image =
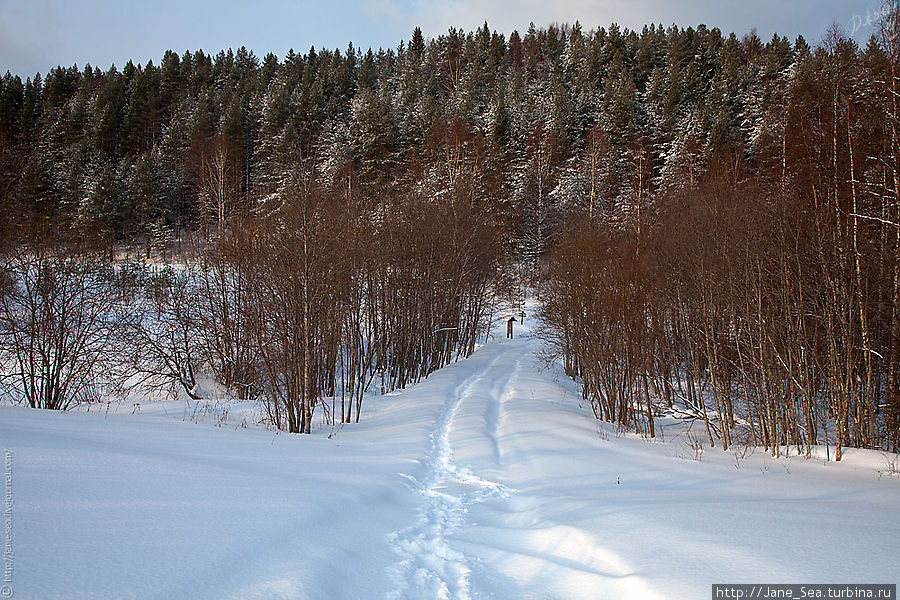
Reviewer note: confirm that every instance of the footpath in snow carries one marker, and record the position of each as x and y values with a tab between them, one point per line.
488	480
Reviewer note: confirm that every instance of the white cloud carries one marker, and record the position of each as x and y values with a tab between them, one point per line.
386	10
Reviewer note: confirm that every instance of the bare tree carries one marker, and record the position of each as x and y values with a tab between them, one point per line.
225	317
161	335
57	322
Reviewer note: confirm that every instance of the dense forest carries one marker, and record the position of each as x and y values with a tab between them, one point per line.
711	220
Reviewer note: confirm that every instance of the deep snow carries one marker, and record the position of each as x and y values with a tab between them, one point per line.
487	480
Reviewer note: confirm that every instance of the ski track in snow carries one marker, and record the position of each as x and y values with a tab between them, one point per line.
438	552
429	566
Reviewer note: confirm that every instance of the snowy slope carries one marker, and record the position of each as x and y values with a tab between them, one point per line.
488	480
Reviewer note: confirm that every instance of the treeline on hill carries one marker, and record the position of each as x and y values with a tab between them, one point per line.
301	307
759	289
713	217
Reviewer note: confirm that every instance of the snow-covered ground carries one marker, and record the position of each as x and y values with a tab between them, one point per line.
488	480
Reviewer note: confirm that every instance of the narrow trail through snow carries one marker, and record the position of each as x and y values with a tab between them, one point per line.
430	567
445	553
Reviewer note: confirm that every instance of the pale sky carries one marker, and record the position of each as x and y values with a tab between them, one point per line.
37	35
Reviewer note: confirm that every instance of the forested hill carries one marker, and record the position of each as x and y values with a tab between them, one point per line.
538	124
715	220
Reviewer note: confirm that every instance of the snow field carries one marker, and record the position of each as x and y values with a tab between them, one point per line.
488	480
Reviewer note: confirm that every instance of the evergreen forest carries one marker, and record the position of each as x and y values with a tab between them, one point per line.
711	222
